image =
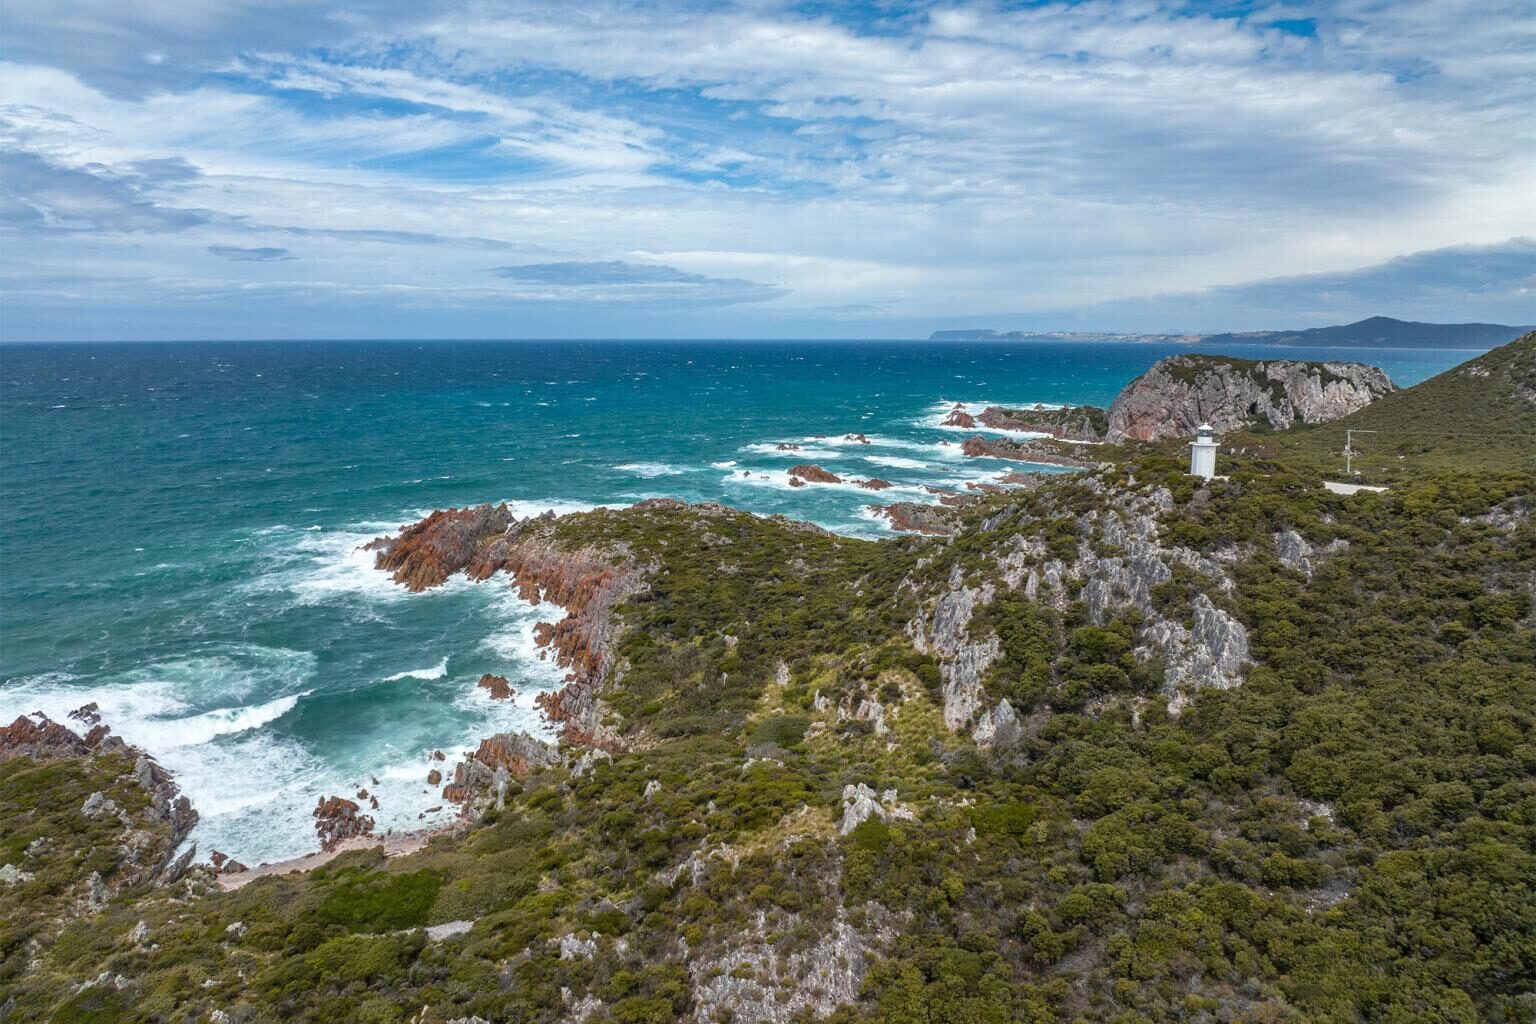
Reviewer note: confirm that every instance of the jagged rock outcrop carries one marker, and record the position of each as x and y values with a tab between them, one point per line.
1065	423
814	474
41	740
963	660
587	582
755	983
483	777
1020	451
338	819
1179	393
915	517
959	417
1212	653
147	851
497	687
1119	562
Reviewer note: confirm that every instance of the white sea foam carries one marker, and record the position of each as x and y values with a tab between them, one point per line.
727	464
435	672
804	450
779	480
650	469
896	462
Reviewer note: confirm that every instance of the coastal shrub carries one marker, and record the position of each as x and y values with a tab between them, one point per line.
781	730
380	901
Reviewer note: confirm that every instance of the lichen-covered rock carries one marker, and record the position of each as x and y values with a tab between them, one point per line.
1179	393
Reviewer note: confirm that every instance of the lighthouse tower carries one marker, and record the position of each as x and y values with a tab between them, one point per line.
1202	452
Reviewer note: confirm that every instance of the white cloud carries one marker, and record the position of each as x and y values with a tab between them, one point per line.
963	159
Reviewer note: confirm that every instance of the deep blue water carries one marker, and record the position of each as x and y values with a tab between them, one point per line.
181	522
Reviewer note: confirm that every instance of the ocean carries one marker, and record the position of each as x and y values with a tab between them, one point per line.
181	523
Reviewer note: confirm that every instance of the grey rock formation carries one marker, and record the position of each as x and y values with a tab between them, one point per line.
999	727
860	803
1179	393
755	983
963	660
1211	654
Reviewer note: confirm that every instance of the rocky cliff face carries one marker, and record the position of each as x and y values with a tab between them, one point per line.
1179	393
587	582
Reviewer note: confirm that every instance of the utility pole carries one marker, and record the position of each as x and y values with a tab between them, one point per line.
1349	448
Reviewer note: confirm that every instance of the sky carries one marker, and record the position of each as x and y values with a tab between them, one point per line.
307	169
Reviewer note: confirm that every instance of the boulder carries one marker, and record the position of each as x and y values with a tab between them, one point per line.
813	474
497	686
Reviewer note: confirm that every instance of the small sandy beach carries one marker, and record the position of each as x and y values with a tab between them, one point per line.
396	844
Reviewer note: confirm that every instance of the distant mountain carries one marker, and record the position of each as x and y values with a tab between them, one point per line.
987	334
1374	332
1380	332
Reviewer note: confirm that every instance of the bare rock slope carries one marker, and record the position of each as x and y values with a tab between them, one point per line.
1179	393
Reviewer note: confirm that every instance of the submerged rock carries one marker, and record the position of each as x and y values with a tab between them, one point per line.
498	687
813	473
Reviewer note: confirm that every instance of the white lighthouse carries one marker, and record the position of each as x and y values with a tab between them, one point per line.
1202	452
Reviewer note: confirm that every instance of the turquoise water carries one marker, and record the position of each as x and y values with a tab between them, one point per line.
181	523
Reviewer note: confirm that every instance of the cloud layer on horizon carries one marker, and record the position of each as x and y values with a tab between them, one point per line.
761	168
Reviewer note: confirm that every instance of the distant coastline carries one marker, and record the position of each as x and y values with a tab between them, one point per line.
1374	332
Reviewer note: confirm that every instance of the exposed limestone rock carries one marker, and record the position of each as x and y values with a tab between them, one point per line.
1212	654
587	762
652	787
1295	552
576	947
754	983
97	805
1179	393
10	874
962	660
999	727
859	805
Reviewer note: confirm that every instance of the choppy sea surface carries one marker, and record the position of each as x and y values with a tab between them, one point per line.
180	523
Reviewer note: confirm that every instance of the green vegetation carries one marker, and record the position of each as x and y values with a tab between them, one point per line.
1349	835
1477	417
